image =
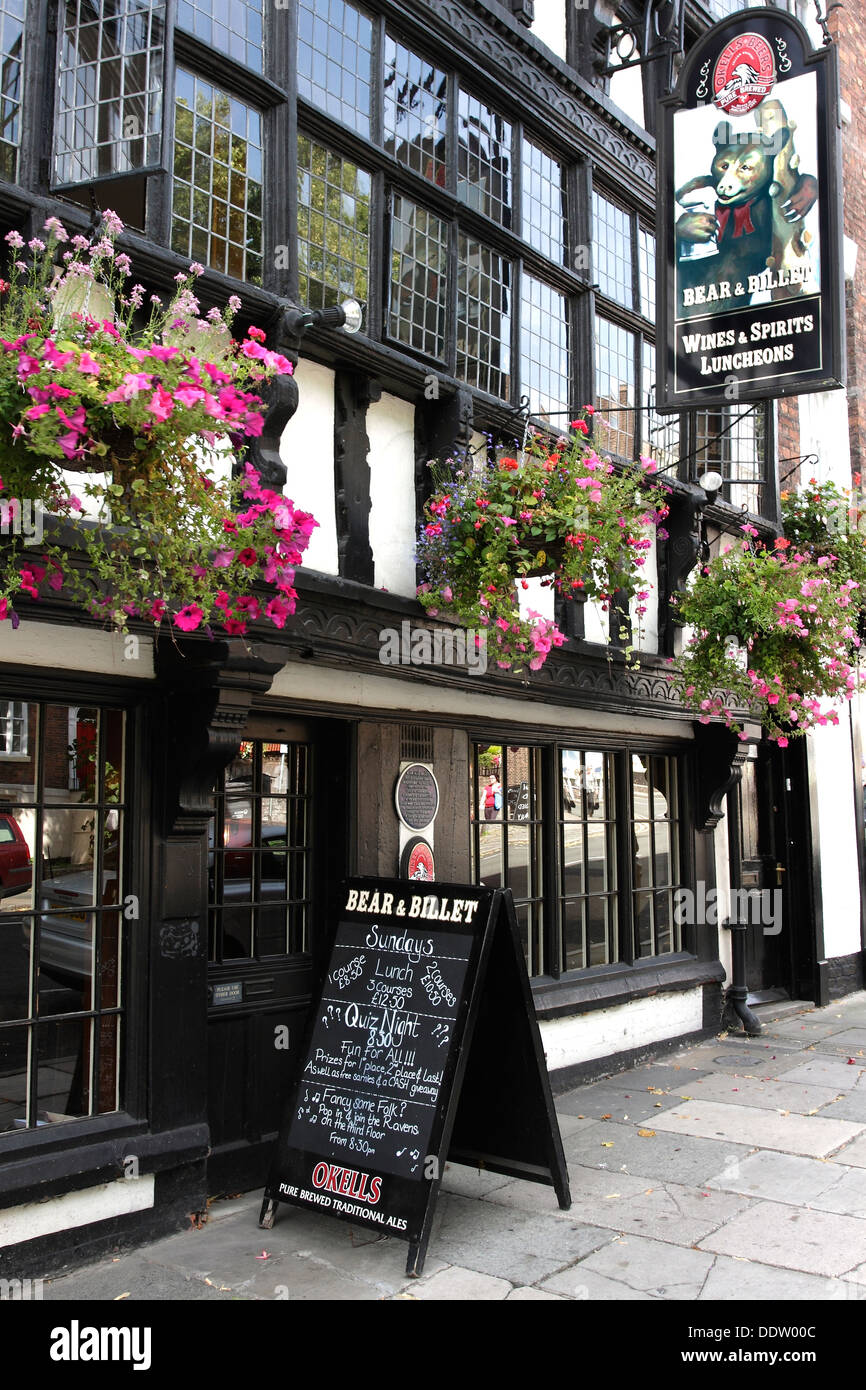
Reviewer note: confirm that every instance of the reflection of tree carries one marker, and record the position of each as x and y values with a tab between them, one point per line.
484	163
420	107
333	226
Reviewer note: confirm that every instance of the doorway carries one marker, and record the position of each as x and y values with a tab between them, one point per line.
279	838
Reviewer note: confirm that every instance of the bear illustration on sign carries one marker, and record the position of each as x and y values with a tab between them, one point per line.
744	236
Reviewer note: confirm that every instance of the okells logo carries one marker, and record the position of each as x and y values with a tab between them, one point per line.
744	74
77	1343
347	1181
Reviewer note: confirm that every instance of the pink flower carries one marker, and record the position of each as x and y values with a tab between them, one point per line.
161	404
278	610
189	618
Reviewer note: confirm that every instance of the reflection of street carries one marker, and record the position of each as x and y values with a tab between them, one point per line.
520	859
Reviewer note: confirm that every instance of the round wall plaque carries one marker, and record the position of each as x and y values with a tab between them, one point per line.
417	861
417	797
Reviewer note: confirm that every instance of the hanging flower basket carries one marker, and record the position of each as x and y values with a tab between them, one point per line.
152	416
775	634
557	510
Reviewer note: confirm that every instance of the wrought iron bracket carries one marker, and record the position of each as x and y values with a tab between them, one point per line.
658	33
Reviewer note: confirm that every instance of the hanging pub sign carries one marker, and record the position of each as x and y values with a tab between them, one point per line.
750	275
422	1046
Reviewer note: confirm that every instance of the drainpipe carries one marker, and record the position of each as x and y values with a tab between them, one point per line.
738	990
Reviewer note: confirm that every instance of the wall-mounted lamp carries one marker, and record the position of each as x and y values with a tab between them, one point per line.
349	315
712	484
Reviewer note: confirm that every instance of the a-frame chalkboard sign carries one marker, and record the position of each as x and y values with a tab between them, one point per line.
423	1046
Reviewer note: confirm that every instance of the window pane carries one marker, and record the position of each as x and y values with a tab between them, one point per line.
484	160
655	834
587	848
335	43
232	26
615	384
419	259
483	318
659	434
732	441
11	58
545	207
545	360
646	246
333	227
416	103
217	220
611	235
108	114
506	839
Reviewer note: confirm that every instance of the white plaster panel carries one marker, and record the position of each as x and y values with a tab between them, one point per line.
76	649
393	525
830	755
606	1032
824	431
75	1209
646	629
307	450
548	25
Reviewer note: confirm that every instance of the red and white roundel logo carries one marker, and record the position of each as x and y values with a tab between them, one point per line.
744	74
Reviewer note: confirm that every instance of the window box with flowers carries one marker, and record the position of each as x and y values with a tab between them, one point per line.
560	511
145	406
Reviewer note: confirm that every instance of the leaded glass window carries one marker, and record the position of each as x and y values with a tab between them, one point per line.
660	434
646	250
11	58
109	103
733	441
615	385
483	318
545	204
611	235
333	226
233	26
335	54
655	837
217	187
545	360
484	159
589	900
419	262
416	102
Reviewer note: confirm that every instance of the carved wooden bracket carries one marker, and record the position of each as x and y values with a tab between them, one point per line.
210	687
720	757
683	548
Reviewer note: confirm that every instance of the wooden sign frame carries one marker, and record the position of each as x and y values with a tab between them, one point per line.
493	1104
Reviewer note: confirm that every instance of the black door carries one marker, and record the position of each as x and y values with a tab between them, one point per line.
279	838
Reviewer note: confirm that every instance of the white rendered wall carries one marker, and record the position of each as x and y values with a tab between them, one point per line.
307	450
596	624
721	849
393	524
824	431
77	648
549	24
831	757
646	629
75	1209
605	1032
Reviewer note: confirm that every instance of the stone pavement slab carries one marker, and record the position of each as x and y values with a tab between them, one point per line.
771	1095
817	1242
532	1295
587	1285
765	1061
602	1101
659	1075
827	1070
456	1283
851	1041
508	1242
649	1267
853	1153
666	1157
799	1134
850	1105
778	1177
754	1282
139	1280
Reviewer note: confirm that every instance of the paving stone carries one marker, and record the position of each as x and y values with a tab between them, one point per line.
664	1076
471	1182
624	1202
805	1030
751	1058
827	1070
847	1195
586	1285
571	1124
601	1099
458	1284
141	1281
669	1157
853	1154
507	1241
851	1041
530	1295
761	1283
779	1177
772	1095
811	1135
849	1106
817	1242
650	1267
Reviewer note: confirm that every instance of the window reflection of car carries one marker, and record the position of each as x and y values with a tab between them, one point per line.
16	869
65	906
239	892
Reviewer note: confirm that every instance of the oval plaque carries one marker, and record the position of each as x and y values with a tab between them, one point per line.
417	862
417	797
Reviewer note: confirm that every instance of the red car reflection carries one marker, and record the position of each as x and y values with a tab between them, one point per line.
16	870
